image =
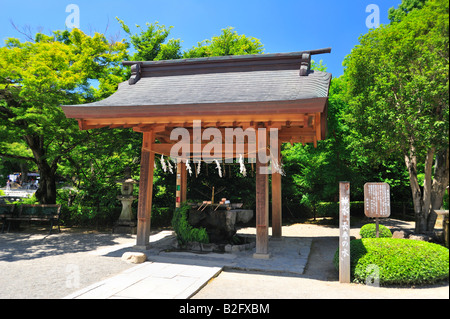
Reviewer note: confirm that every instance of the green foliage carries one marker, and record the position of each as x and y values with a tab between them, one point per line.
400	261
445	201
185	232
35	79
396	15
370	231
229	42
397	81
397	85
161	216
331	209
149	44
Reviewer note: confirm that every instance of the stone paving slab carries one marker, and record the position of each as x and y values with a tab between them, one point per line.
152	280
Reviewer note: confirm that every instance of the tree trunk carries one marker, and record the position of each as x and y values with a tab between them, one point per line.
46	192
440	183
428	198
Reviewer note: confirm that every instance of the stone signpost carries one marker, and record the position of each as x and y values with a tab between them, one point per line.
377	203
344	236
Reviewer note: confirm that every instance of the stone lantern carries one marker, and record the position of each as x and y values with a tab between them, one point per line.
126	223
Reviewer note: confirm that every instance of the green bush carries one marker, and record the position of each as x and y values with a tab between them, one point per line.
185	232
331	209
399	261
161	216
370	231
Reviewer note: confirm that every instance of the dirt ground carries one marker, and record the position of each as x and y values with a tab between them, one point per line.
320	280
35	265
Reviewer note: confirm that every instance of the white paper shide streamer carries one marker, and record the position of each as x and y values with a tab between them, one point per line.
199	166
170	167
163	164
243	170
188	167
218	168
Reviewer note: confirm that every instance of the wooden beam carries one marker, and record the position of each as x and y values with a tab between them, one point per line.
145	192
262	207
318	127
183	182
149	127
140	123
181	188
276	199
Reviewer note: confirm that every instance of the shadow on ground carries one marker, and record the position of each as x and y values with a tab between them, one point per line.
25	245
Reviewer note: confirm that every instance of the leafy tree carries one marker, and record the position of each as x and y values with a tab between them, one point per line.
37	77
229	42
313	174
397	15
397	80
149	44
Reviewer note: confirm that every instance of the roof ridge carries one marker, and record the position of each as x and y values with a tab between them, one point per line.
234	58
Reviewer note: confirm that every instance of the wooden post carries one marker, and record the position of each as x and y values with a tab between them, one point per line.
262	206
181	184
145	192
344	234
276	200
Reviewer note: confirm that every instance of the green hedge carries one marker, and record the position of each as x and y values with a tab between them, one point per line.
370	231
399	261
86	216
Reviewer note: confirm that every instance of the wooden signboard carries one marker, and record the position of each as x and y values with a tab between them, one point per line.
344	234
377	203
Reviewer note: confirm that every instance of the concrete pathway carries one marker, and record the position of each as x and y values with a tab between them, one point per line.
180	275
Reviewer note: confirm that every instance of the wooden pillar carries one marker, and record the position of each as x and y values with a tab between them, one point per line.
181	188
276	200
262	206
344	232
145	192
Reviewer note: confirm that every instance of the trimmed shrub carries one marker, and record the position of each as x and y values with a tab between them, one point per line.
399	261
185	232
370	231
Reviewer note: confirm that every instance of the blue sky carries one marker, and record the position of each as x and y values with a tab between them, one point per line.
281	25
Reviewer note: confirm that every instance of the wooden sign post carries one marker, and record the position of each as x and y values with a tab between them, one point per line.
377	203
344	234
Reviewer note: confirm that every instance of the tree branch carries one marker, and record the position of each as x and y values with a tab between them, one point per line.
26	158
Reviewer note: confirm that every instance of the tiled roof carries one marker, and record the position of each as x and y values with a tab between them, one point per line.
233	87
232	82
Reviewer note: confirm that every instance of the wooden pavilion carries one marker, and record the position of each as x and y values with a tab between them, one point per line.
272	91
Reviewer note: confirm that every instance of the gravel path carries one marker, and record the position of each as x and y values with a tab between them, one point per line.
36	265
